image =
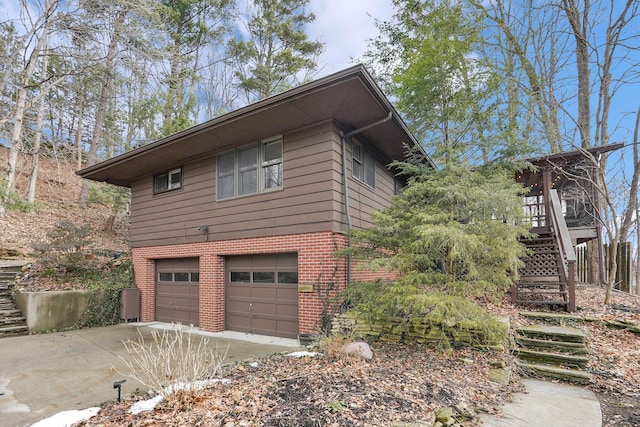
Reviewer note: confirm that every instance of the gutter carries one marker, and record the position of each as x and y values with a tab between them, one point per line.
345	182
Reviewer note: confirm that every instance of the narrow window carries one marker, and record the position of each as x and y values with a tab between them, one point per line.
248	170
166	181
226	178
272	164
363	165
356	167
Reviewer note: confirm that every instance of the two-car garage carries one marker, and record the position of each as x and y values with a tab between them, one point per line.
261	293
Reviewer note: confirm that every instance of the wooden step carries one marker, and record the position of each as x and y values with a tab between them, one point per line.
572	375
556	346
557	333
556	359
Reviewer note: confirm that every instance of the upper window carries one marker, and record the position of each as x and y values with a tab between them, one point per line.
250	169
363	165
170	180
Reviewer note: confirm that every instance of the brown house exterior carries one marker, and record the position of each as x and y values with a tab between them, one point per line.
234	222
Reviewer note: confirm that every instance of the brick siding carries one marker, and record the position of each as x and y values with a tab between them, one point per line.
316	265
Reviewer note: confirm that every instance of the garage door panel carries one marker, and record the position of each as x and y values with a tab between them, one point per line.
177	290
269	308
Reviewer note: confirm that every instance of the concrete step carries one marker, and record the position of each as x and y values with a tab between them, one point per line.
10	313
13	330
571	375
15	321
556	359
556	333
553	346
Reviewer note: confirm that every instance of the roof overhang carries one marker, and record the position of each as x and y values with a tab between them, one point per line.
350	97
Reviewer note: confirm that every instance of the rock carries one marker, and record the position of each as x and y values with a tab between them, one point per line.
445	415
500	376
358	349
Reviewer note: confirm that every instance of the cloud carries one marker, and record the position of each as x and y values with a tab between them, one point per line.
345	27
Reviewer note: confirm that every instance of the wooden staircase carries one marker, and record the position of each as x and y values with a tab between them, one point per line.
541	279
548	277
12	322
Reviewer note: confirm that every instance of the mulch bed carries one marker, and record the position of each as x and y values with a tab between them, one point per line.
401	384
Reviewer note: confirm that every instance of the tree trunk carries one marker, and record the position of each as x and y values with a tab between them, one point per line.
579	25
105	93
33	179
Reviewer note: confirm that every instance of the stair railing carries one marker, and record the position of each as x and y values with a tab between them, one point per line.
567	254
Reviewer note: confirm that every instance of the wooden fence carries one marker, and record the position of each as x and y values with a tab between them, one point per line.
624	261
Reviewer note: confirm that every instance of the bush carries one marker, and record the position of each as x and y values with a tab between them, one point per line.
410	313
66	249
109	195
12	200
174	363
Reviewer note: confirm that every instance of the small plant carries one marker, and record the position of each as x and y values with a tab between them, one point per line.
174	363
12	200
109	195
66	248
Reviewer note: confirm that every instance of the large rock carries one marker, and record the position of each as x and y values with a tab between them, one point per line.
358	349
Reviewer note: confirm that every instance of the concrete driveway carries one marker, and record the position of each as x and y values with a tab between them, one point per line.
41	375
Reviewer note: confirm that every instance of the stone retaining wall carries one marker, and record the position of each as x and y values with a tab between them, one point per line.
460	334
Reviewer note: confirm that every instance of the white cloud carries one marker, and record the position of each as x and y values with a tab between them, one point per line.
345	26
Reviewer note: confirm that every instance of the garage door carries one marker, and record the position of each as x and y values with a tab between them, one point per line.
262	294
177	284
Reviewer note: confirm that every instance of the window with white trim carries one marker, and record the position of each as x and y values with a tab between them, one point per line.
166	181
251	169
363	165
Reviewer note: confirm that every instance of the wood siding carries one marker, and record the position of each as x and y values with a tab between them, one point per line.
311	199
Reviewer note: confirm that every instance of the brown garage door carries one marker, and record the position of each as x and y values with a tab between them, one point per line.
262	294
177	284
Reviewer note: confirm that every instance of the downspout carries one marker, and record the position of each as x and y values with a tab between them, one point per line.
345	182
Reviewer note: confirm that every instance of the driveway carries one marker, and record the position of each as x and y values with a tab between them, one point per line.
41	375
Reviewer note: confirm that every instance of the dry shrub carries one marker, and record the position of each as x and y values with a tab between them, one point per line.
176	363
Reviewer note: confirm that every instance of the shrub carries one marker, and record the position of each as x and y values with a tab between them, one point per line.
66	248
410	313
173	363
109	195
12	200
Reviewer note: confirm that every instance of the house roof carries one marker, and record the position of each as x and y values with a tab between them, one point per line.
574	155
351	97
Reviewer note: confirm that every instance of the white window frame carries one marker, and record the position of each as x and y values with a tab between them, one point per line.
261	167
172	182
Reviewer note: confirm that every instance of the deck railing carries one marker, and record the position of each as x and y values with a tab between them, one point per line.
567	254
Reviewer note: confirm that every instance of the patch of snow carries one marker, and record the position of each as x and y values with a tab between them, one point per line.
303	354
145	405
150	404
67	418
254	364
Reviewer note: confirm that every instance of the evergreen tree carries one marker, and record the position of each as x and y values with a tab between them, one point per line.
276	51
453	230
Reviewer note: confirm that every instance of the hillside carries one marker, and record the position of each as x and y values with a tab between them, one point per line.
57	191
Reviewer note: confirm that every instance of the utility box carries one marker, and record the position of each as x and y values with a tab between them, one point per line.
130	304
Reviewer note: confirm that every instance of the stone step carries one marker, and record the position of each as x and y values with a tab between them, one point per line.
556	333
556	359
555	346
13	321
572	375
13	330
10	313
556	317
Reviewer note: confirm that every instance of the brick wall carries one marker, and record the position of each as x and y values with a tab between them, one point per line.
316	265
